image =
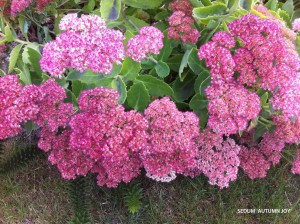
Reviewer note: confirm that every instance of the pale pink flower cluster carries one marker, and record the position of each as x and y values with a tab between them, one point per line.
181	22
287	99
218	158
172	147
231	106
85	44
296	163
148	41
296	25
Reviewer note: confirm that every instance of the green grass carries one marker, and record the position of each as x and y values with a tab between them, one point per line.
37	194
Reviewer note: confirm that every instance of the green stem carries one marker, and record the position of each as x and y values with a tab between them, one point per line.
152	59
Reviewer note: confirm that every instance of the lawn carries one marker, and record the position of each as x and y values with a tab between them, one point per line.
37	194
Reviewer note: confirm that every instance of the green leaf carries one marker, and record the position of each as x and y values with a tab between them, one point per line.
285	17
31	55
74	75
214	11
169	45
202	82
9	37
130	69
89	77
146	4
138	97
155	86
24	74
120	86
89	6
288	6
184	89
198	102
162	15
25	54
162	69
13	57
246	4
110	9
199	105
23	24
184	62
174	62
272	5
71	98
105	82
77	87
197	65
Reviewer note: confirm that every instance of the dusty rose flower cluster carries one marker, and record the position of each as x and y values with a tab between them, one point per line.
181	22
148	41
172	147
85	44
17	6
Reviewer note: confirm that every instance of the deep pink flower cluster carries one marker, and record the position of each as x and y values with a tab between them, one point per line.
10	89
41	4
257	157
287	33
296	25
85	44
231	106
149	40
110	136
53	112
253	162
218	158
181	22
172	147
70	162
296	163
18	6
218	57
264	55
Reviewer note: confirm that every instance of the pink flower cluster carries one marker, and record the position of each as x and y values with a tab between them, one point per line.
149	40
17	6
218	57
172	147
218	158
296	25
264	55
257	157
85	44
231	106
181	22
10	89
296	163
41	104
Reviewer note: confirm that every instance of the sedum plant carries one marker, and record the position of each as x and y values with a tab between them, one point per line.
170	87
